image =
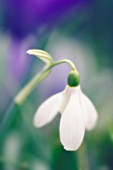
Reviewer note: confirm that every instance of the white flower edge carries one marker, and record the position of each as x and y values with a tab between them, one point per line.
89	112
47	110
77	113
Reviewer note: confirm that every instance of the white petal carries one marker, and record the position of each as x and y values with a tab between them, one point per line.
71	125
89	112
48	110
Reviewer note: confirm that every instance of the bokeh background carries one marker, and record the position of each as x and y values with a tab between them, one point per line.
80	30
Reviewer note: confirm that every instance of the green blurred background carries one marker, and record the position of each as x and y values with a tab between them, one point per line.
79	30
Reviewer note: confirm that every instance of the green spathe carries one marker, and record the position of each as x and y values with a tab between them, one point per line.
73	78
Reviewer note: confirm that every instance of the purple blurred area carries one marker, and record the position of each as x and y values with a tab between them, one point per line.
21	18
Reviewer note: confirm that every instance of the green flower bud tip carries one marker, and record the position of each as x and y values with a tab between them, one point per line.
73	79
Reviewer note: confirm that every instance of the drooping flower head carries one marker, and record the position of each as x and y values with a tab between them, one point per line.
77	111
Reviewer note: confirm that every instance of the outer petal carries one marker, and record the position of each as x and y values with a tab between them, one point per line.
89	112
71	125
48	110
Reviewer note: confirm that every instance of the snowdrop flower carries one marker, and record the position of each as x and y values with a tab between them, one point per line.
77	113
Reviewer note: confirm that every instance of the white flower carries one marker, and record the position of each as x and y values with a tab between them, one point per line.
77	113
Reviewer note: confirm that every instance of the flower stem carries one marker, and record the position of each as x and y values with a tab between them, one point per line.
22	95
65	61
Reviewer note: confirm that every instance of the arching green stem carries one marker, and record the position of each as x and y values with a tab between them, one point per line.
65	61
23	94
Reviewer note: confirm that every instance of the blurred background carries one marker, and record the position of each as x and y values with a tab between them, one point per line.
79	30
